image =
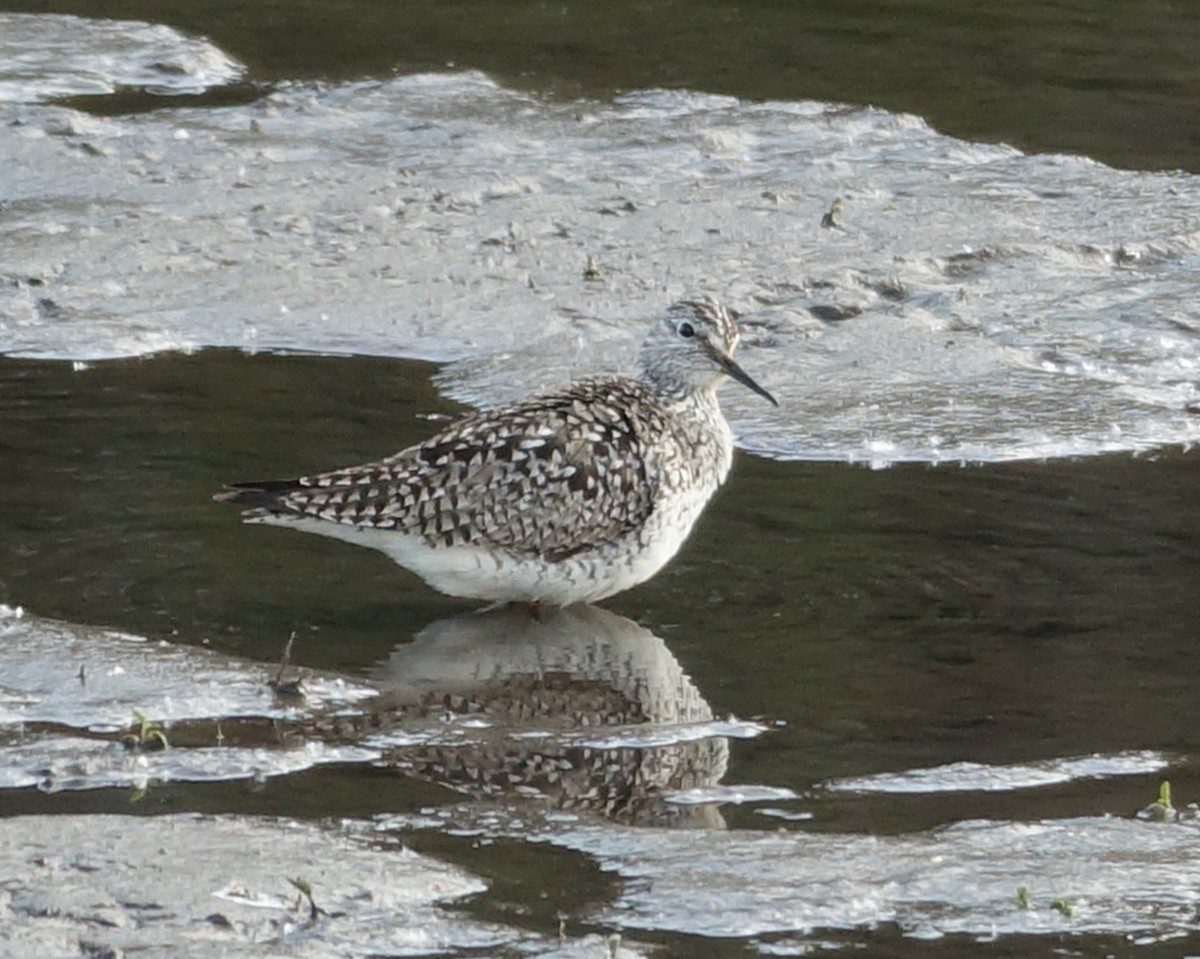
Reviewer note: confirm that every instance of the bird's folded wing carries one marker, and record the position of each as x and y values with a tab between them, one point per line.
549	477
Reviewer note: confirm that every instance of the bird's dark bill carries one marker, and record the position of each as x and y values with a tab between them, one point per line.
730	367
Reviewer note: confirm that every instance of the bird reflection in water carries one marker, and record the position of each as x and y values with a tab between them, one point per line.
578	707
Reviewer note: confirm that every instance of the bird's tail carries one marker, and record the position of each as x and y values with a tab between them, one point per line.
259	494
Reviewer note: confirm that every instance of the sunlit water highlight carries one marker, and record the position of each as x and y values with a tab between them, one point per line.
968	777
70	694
969	302
43	57
1084	875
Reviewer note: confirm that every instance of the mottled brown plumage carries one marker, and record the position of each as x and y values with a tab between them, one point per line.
564	497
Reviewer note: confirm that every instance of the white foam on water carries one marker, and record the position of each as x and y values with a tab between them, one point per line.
62	763
982	777
88	677
185	886
790	888
69	693
972	302
1086	875
733	794
43	56
652	735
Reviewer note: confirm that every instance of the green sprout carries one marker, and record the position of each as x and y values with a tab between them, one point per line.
150	736
1164	796
305	888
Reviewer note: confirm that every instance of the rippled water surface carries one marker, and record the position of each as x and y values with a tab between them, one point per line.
893	698
968	302
918	710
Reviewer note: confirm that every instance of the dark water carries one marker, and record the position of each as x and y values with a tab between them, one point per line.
1039	607
883	620
880	621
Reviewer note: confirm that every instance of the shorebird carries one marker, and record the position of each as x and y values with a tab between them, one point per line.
562	498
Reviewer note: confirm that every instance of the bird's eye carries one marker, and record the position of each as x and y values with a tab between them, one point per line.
686	330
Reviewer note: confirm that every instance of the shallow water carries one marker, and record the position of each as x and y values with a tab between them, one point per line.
842	654
863	708
969	302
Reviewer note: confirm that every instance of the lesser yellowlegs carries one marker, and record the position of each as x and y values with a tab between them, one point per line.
562	498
